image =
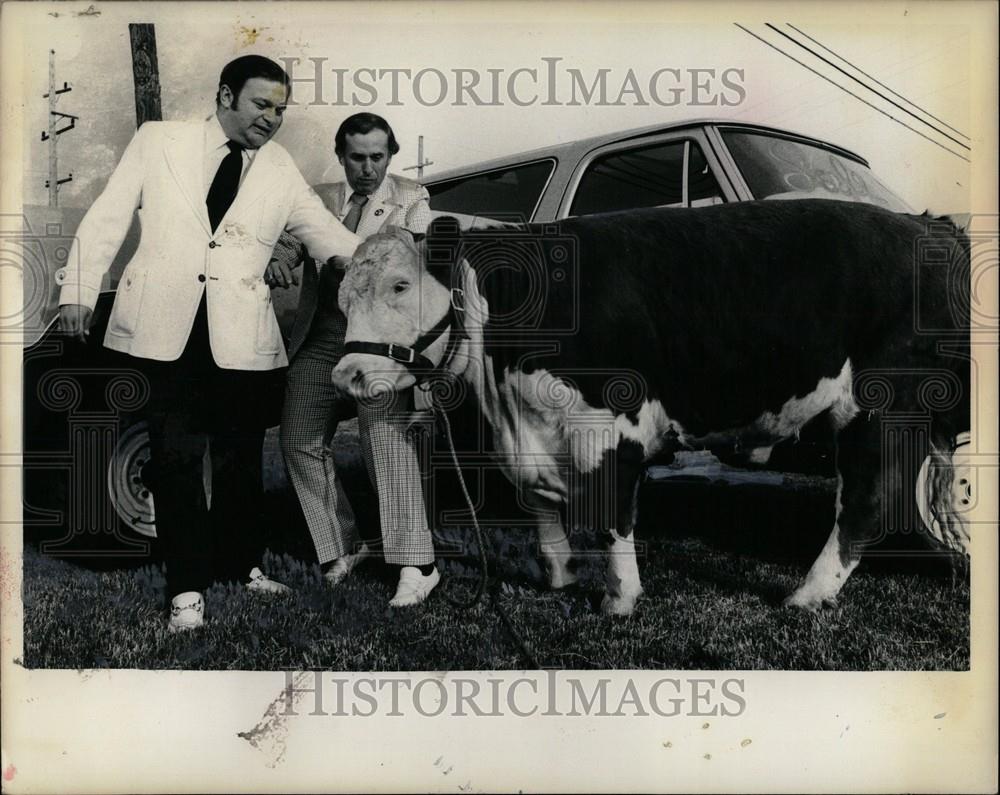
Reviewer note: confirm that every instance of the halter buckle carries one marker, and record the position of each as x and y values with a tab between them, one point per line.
404	358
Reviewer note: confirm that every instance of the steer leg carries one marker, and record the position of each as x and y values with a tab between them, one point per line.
828	574
622	483
552	542
858	515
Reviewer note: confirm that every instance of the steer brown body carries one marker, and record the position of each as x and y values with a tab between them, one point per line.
597	343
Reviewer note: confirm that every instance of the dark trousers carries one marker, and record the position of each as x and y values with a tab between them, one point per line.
194	405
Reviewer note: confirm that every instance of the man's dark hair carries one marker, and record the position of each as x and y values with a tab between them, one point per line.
236	73
362	124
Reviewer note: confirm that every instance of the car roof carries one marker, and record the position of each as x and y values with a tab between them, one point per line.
579	147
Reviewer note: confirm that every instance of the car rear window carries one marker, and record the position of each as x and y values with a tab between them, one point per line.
775	167
509	194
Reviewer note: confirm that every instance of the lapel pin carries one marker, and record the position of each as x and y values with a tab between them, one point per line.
378	212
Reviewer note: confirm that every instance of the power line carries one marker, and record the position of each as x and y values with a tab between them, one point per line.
878	82
863	85
864	101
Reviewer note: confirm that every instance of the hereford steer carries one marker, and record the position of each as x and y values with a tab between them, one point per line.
595	343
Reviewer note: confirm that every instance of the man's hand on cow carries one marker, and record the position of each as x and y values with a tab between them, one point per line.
74	320
279	274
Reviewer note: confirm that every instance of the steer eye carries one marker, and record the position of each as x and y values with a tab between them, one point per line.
400	287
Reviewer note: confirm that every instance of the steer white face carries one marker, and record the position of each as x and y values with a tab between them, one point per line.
388	297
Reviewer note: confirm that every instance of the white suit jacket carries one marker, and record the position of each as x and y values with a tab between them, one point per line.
397	202
179	257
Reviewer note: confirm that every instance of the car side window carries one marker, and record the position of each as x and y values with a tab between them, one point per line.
674	174
702	187
509	194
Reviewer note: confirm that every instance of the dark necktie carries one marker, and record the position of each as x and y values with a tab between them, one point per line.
225	184
329	278
357	202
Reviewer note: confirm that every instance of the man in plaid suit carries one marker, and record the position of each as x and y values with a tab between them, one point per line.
368	201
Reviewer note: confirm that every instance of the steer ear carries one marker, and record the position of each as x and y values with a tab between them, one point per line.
444	237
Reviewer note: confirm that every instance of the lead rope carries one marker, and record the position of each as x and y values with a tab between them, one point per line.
484	575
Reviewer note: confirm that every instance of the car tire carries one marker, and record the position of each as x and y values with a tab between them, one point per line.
129	493
128	480
953	496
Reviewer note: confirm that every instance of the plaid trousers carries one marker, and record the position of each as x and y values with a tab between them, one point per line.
313	408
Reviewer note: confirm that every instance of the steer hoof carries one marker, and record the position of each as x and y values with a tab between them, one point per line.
561	579
619	605
811	602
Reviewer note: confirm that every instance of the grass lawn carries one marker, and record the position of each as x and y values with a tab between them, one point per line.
704	609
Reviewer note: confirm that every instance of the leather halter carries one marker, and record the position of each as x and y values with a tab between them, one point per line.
412	356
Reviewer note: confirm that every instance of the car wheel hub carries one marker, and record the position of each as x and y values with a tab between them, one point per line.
131	498
956	504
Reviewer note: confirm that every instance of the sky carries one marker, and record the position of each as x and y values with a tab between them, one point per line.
928	64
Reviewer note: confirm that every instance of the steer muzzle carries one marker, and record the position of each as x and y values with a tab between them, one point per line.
365	376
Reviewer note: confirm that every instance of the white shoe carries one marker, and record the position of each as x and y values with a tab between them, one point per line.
261	582
187	611
345	564
413	586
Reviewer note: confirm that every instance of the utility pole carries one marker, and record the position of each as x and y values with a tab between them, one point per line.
53	182
420	159
145	73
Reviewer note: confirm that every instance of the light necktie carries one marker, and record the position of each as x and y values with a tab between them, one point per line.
225	184
357	202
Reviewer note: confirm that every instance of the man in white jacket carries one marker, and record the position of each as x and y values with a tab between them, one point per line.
213	197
